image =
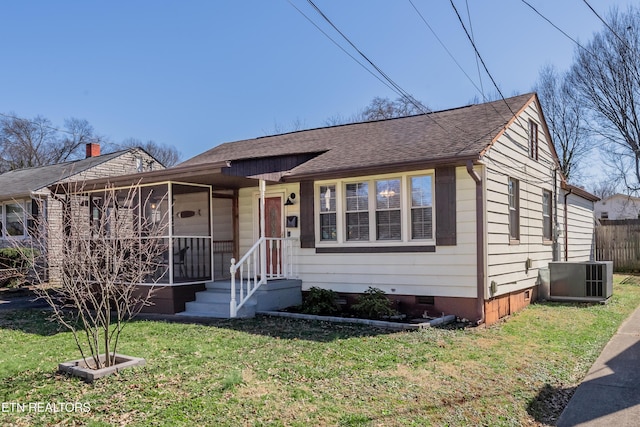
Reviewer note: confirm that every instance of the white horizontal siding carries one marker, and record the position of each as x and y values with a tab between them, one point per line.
449	271
580	228
509	157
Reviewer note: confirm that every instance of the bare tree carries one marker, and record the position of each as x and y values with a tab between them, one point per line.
604	188
168	155
34	142
107	244
566	117
381	109
606	75
384	108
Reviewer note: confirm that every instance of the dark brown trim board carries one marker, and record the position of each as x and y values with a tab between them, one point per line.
375	249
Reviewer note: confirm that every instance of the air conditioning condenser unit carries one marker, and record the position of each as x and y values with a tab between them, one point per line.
581	281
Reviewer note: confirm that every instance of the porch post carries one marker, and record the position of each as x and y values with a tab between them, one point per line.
263	245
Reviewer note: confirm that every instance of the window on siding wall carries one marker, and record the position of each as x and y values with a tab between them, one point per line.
376	210
328	224
533	140
14	219
388	212
357	211
514	209
547	203
421	208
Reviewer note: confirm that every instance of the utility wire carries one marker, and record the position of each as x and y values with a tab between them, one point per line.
558	28
446	49
399	90
623	41
344	50
477	63
480	57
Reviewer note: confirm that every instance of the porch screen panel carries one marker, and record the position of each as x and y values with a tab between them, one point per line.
388	212
421	207
357	211
328	224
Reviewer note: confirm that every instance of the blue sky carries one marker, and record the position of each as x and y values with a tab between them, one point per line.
195	74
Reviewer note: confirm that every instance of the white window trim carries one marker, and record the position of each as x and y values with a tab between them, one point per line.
405	188
25	204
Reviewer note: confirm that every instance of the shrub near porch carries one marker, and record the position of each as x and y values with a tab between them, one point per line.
274	371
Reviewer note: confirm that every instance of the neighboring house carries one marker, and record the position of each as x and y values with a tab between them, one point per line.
21	187
447	212
618	206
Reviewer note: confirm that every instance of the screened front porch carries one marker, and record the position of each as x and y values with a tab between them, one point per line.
183	214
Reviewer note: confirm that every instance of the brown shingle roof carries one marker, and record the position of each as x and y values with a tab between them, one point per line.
461	133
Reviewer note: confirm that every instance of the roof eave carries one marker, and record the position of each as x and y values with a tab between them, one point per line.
382	169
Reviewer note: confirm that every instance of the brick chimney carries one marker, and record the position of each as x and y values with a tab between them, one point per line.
93	149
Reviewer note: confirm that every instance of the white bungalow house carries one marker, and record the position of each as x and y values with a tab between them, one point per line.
618	206
447	212
21	188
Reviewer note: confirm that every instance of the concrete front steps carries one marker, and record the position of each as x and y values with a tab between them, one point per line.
215	300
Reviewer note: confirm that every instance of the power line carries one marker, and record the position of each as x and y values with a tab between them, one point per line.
399	89
558	28
446	49
477	64
623	41
343	49
480	57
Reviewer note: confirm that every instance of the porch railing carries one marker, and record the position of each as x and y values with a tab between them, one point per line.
268	259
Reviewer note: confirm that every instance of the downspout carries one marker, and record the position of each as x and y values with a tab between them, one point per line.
479	242
566	225
556	223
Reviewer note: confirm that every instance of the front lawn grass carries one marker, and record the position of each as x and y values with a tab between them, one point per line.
285	372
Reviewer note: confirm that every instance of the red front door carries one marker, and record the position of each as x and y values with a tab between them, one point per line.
273	228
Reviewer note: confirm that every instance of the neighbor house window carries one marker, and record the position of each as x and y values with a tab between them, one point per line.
328	224
546	215
14	220
421	208
388	212
514	209
533	140
357	211
604	215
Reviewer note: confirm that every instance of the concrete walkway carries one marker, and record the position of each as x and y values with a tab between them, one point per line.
610	393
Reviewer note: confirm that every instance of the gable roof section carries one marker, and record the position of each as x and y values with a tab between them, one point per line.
21	182
449	136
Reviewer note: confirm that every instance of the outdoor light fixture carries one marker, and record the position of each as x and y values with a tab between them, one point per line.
290	200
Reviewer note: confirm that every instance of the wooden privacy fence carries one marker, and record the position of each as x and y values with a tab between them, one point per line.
619	241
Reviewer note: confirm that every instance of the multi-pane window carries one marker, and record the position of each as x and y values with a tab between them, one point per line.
388	212
421	208
533	140
14	220
546	215
514	209
388	209
328	224
357	211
